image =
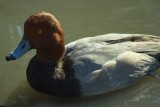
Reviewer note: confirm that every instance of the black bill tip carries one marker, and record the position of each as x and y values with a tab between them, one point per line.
10	57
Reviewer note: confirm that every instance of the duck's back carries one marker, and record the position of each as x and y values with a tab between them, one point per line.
90	55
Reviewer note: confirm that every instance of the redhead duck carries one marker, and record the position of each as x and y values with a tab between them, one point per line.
88	66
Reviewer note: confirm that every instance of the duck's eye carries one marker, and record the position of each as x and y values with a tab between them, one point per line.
39	31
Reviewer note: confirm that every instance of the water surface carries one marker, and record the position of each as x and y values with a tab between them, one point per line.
79	18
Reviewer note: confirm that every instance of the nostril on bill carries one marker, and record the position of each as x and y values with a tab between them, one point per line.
23	46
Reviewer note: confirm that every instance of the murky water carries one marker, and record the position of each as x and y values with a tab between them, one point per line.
79	18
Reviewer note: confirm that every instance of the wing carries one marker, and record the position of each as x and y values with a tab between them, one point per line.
93	58
91	53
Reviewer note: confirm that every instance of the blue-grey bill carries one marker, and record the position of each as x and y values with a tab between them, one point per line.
23	47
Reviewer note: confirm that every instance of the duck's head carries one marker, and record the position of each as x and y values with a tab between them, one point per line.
43	32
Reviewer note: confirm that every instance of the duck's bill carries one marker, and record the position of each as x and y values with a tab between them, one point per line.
23	47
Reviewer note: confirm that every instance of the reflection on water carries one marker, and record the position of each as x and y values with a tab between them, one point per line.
79	18
135	96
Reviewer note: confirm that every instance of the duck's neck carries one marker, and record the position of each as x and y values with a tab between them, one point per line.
50	54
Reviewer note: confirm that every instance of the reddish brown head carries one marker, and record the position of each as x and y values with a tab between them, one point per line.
45	34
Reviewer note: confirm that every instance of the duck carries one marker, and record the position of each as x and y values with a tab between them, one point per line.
87	66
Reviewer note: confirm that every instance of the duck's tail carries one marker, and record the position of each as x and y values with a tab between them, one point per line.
157	73
154	73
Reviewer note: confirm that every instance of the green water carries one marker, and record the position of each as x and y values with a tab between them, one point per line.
79	18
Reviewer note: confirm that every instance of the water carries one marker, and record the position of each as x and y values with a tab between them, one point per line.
79	18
